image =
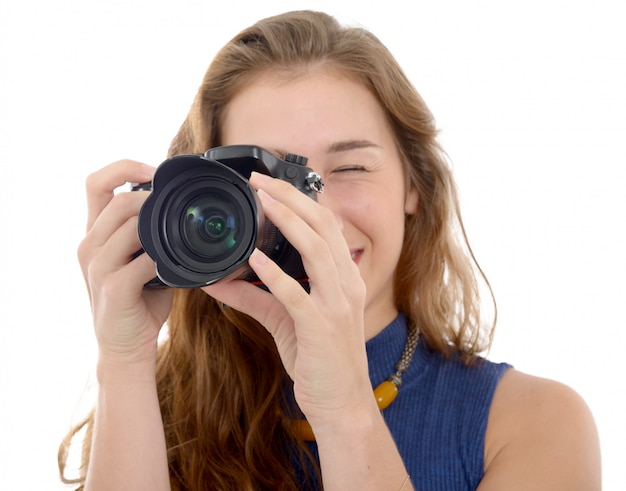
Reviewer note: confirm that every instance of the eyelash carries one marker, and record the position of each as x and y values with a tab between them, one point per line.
354	168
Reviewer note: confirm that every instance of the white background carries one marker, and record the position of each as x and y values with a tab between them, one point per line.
530	98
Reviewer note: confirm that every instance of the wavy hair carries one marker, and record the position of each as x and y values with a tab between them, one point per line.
225	398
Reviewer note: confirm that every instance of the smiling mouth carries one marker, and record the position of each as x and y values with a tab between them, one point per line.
356	255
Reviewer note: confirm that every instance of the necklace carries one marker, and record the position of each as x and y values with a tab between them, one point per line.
385	393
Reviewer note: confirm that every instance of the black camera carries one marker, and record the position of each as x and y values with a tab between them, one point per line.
202	219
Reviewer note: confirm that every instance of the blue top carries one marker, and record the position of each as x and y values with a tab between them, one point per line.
439	418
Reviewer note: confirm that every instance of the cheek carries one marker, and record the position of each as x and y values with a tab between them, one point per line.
377	213
381	219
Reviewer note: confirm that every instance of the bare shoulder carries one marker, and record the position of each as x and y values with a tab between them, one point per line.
540	435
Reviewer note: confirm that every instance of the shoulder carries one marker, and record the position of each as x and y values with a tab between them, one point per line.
540	435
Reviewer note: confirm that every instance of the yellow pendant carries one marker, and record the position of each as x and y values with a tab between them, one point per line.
385	394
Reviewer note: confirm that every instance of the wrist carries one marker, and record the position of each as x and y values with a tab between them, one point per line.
349	425
361	441
115	371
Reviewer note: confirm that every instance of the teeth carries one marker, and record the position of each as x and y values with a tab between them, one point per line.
354	255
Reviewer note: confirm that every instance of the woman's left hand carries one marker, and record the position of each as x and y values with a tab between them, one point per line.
319	335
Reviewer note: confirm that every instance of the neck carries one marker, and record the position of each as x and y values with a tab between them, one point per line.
376	319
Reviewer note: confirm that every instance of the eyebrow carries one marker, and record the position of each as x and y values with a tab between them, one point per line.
346	145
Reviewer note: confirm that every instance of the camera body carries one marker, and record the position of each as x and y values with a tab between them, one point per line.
202	219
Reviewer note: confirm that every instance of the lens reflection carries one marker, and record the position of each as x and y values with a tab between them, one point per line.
210	227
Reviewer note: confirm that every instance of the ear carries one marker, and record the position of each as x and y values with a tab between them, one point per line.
411	201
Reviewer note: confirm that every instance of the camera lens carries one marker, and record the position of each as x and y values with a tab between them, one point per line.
210	225
215	226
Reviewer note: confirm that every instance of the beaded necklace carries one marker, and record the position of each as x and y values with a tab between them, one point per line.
385	393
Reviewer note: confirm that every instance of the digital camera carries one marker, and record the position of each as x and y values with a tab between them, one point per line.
203	219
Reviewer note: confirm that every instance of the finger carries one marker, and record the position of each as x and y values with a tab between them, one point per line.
248	299
117	253
121	208
122	245
265	308
101	184
139	271
121	212
126	281
325	255
297	206
296	301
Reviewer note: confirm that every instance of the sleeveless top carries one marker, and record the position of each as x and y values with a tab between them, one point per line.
439	418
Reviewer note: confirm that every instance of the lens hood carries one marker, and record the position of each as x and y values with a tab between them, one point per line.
192	197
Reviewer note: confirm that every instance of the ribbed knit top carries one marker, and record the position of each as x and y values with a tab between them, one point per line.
440	416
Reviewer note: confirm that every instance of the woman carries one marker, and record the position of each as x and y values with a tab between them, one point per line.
221	402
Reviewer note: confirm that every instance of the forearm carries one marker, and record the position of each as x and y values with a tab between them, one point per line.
360	454
128	449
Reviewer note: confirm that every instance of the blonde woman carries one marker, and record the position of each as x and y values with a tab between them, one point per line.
372	379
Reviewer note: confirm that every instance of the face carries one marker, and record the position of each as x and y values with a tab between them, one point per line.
342	129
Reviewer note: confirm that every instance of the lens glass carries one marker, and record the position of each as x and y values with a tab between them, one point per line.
210	226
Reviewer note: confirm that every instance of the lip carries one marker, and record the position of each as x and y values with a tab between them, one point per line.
356	255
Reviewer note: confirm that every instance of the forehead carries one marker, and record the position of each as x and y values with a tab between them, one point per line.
320	107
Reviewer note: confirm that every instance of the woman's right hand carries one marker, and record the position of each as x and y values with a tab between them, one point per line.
127	317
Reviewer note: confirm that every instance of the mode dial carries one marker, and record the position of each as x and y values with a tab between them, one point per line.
296	159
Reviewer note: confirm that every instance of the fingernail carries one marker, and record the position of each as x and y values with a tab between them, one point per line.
260	178
257	257
148	170
265	198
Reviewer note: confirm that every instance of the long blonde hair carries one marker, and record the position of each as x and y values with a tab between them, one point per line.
224	394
